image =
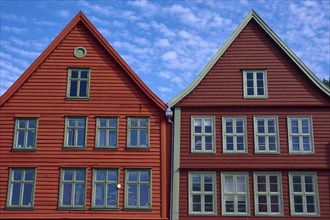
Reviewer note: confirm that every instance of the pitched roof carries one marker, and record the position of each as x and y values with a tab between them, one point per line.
252	15
80	17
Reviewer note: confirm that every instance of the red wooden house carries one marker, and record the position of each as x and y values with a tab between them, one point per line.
81	136
252	134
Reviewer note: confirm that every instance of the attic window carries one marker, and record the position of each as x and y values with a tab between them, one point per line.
80	52
255	83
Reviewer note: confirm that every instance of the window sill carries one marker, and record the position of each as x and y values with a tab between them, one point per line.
74	148
24	150
138	209
203	152
256	97
76	99
105	208
71	208
106	148
202	214
138	148
19	208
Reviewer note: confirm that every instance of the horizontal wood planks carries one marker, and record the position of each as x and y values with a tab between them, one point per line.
112	93
254	49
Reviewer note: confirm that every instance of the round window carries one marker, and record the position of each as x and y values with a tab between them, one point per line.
80	52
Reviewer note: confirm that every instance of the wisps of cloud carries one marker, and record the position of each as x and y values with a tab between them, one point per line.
14	30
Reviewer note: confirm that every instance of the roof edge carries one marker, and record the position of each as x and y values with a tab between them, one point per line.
228	42
41	58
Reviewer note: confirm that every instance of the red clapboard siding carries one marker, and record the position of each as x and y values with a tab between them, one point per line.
253	49
319	160
323	189
112	93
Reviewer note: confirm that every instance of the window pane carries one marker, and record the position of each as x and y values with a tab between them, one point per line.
261	91
68	174
74	74
84	74
133	137
230	143
250	84
295	144
79	194
134	122
67	192
72	122
73	88
143	123
229	184
30	138
112	195
229	201
81	122
208	143
198	125
113	123
208	125
144	195
132	176
143	138
239	126
305	126
196	181
271	126
196	203
20	138
198	143
71	137
112	138
261	143
208	200
229	126
294	126
102	123
15	194
261	126
17	175
306	144
100	175
80	175
240	143
83	89
81	137
32	124
208	183
29	175
27	194
132	195
241	200
112	175
298	206
240	184
99	196
21	123
250	91
102	138
144	176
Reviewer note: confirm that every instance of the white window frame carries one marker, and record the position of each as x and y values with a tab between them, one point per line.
25	130
255	87
139	129
105	182
268	194
22	181
191	174
304	193
266	135
300	135
76	128
107	128
235	193
202	134
79	80
234	135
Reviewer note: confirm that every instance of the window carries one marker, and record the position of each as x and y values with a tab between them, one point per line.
105	192
235	193
106	132
304	194
268	193
72	189
300	134
266	135
25	134
202	193
21	188
75	132
78	83
255	83
234	139
138	133
138	189
202	134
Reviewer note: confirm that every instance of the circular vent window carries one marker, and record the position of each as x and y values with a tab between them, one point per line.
80	52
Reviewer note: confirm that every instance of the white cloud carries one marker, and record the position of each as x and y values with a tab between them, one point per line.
63	13
170	56
21	52
98	9
14	30
163	43
148	7
14	17
45	23
9	58
164	89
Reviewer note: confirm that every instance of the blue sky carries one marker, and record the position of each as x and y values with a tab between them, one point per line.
167	43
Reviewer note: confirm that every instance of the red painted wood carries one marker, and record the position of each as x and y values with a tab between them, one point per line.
113	92
254	49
